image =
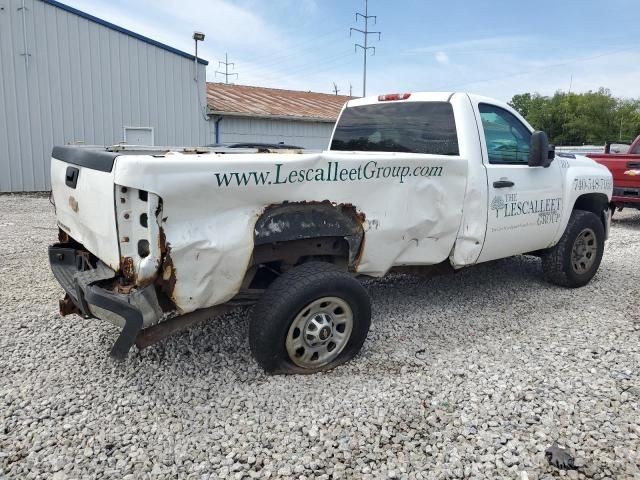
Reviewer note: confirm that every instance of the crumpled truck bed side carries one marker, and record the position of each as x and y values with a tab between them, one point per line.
410	204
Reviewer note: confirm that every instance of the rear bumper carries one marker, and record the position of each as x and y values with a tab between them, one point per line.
84	296
626	197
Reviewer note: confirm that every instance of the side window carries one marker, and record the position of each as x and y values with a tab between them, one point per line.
507	138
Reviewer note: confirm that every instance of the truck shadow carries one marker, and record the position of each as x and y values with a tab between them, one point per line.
401	304
417	323
220	341
627	219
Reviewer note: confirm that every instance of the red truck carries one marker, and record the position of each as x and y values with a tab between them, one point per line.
625	168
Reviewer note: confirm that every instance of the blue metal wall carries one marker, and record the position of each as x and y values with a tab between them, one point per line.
306	134
65	78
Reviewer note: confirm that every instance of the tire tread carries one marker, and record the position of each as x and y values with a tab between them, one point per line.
553	261
276	298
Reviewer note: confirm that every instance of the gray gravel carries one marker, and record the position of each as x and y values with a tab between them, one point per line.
471	375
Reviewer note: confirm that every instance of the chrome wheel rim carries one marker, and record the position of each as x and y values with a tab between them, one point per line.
319	332
584	251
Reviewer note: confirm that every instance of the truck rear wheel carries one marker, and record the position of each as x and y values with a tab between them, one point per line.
576	257
312	318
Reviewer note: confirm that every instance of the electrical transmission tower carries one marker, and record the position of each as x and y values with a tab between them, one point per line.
226	73
365	33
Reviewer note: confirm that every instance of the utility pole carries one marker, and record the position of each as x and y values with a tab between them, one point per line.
350	90
620	137
365	33
335	88
570	84
226	73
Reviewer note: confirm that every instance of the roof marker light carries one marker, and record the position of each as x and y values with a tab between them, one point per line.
393	96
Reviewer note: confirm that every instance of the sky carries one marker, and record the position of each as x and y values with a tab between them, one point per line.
496	48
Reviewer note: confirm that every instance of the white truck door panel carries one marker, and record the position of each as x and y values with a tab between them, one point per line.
524	203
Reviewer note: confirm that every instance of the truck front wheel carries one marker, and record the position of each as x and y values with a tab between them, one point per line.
311	318
576	257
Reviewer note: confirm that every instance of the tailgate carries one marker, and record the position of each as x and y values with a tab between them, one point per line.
83	191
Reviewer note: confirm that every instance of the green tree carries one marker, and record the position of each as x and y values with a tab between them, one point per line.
628	119
522	103
580	118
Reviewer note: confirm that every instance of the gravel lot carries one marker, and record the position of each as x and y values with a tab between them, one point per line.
471	375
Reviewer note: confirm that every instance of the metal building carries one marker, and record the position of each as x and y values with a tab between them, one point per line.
241	113
68	77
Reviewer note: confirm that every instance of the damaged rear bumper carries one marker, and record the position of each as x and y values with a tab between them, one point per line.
85	296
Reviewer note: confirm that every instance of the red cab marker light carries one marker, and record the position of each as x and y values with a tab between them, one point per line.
393	96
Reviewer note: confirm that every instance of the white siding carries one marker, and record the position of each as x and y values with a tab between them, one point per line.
312	135
83	83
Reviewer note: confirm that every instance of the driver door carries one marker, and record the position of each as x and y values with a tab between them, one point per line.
525	203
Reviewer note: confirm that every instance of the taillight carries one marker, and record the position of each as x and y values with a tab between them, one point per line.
393	96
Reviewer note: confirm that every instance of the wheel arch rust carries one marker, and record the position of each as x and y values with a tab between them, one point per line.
294	221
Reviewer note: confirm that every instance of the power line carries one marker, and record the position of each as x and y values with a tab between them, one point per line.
365	33
545	67
299	49
226	73
301	57
307	68
457	48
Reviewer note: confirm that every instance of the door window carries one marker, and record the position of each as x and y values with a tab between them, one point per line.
507	138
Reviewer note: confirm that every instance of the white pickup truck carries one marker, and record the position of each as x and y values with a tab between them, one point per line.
154	240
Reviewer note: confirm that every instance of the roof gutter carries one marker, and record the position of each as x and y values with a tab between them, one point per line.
272	117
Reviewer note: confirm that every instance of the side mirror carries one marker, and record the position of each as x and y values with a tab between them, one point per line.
540	153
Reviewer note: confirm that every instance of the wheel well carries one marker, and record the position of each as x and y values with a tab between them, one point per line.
596	203
269	261
292	233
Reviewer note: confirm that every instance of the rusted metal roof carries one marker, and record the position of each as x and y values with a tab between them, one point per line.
243	100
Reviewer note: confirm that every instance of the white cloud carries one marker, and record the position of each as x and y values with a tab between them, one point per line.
501	75
442	58
284	54
228	27
227	24
263	53
306	6
476	45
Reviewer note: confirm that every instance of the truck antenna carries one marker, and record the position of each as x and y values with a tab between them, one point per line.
226	73
365	33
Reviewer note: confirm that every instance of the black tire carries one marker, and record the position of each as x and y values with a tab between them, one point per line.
557	262
284	301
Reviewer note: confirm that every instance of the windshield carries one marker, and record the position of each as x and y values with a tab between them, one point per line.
413	127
